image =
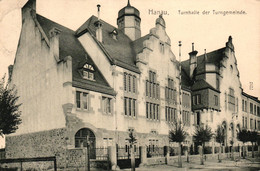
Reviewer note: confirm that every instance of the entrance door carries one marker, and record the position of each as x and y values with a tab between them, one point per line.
86	137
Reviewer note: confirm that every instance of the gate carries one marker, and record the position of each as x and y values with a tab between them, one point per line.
124	157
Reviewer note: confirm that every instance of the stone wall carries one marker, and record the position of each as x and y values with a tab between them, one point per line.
39	144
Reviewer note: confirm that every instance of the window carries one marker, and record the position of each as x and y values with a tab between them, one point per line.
196	99
170	92
231	100
161	47
129	83
107	105
152	111
186	118
258	111
85	100
243	105
217	84
258	122
251	123
246	122
81	100
88	72
78	99
216	100
255	109
243	121
170	114
130	107
251	108
152	88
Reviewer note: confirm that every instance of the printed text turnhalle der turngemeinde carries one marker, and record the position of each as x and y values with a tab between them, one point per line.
214	12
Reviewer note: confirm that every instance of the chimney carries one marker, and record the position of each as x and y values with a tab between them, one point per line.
30	6
54	42
98	25
193	60
10	71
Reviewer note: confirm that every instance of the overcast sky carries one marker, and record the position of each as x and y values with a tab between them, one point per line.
206	31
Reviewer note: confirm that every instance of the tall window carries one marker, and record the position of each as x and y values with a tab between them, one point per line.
152	87
243	105
255	109
129	83
170	114
130	95
161	47
81	100
153	92
152	111
251	108
231	100
170	92
196	99
107	105
216	100
243	121
246	122
130	107
186	117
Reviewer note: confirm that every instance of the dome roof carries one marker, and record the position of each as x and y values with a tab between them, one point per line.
160	21
128	10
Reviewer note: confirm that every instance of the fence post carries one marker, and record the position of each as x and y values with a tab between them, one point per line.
113	157
143	156
167	148
55	164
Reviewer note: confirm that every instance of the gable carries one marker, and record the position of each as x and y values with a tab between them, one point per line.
70	46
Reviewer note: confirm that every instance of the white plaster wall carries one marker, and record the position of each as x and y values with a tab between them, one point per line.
39	81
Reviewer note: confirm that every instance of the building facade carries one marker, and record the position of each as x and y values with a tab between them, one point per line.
102	81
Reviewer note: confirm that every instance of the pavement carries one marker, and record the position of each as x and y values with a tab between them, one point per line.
250	164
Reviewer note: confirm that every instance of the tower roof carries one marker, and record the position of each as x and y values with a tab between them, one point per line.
160	21
128	10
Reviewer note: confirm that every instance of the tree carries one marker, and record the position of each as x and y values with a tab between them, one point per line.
201	136
178	135
132	140
252	139
9	109
243	136
220	138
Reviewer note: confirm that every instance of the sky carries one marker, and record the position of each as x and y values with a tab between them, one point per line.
207	30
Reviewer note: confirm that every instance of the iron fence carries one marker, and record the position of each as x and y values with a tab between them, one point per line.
125	152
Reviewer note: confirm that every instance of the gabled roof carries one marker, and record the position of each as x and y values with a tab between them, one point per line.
70	46
213	57
202	84
119	51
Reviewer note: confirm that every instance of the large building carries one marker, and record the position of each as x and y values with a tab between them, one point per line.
103	81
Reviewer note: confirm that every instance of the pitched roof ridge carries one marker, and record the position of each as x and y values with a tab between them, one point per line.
208	53
55	23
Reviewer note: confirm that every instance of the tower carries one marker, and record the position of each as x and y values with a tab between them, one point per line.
129	21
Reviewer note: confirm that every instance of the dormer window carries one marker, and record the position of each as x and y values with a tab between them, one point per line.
88	72
114	34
